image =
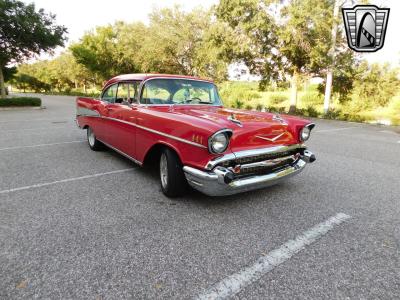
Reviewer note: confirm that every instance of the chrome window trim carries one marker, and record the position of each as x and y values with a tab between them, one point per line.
249	153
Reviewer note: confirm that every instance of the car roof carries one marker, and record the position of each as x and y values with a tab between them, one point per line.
145	76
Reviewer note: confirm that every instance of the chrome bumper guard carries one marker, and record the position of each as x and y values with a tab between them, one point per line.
220	181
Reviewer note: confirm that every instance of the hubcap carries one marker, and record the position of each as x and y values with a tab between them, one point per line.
164	171
91	137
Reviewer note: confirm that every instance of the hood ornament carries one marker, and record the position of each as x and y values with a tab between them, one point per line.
233	119
279	119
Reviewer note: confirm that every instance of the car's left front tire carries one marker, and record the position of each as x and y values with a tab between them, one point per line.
172	179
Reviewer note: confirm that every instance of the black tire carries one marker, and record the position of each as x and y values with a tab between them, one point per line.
174	184
93	142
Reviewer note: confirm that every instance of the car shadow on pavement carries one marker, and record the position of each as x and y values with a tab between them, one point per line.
151	175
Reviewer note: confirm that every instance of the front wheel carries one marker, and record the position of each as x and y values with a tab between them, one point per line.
94	143
172	178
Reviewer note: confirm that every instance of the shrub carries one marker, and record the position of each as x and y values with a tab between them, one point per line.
238	104
249	107
278	110
259	107
332	114
311	112
277	98
20	101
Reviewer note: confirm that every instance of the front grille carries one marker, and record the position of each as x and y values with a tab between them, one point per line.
265	169
258	158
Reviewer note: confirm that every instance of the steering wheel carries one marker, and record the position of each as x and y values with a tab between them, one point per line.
195	98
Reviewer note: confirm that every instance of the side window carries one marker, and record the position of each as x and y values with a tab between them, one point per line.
122	93
110	94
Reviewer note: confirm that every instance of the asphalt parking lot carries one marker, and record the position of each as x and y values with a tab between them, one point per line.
78	224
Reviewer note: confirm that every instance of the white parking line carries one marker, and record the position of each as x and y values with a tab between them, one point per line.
62	181
40	145
32	120
234	283
39	128
336	129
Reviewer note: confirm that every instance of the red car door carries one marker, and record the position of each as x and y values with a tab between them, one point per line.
122	120
100	107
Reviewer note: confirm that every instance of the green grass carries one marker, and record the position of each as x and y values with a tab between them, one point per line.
309	103
20	101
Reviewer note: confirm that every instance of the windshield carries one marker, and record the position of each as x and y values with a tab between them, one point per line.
179	91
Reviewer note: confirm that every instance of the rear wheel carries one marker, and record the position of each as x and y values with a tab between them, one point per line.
172	178
94	143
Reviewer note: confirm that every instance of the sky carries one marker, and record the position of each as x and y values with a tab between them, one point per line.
82	15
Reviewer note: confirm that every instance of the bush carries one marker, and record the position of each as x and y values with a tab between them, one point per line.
311	112
20	101
277	98
249	107
332	114
259	107
274	109
238	104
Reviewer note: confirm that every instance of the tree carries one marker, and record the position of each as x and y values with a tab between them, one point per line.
374	86
180	42
110	50
248	33
175	41
280	39
25	32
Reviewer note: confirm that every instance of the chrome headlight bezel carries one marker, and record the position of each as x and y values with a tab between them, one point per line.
221	136
305	132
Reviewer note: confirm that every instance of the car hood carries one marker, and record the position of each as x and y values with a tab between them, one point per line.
251	129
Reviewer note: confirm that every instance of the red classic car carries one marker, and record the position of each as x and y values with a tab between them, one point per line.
180	123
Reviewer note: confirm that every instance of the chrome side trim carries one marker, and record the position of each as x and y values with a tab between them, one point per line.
122	153
171	137
147	129
249	153
158	132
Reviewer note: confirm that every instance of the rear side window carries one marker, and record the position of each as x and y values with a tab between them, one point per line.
110	94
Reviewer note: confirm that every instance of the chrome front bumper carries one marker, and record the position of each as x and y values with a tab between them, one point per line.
215	183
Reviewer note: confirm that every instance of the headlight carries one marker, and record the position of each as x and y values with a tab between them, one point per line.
306	132
219	141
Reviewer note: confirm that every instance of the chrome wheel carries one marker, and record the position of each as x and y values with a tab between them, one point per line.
164	171
91	137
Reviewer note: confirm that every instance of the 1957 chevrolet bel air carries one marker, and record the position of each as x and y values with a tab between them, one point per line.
180	123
